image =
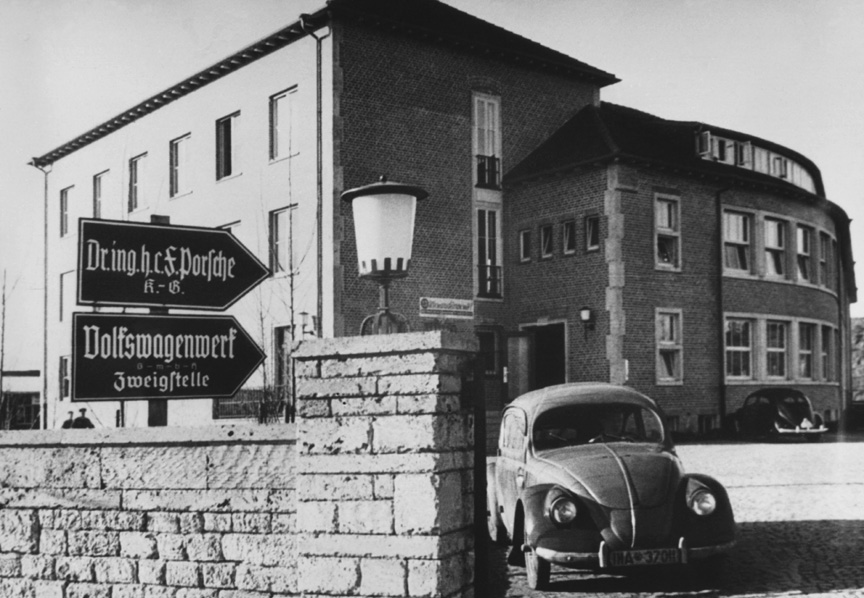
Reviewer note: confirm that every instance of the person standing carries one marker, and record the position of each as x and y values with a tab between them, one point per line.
82	421
68	423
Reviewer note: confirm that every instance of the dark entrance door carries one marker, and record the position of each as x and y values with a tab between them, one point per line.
548	359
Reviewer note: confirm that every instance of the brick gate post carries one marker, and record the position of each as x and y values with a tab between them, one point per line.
385	466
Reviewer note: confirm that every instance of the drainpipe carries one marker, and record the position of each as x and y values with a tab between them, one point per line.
721	405
319	218
43	400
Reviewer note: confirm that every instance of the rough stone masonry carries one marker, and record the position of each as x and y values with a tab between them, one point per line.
382	468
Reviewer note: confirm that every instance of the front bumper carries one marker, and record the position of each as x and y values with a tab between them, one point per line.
601	560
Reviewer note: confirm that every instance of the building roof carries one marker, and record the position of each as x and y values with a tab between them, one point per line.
597	134
430	20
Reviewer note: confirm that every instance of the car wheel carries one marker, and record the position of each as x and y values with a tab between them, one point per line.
538	571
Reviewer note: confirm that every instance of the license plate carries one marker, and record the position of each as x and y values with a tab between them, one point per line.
641	558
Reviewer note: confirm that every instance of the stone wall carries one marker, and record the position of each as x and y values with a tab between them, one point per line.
148	513
383	505
385	466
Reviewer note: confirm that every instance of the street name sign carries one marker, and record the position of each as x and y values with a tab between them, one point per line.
157	265
126	356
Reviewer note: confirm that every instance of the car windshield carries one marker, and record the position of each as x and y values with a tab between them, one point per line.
584	424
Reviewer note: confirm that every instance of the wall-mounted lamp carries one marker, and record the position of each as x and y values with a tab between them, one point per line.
384	229
587	318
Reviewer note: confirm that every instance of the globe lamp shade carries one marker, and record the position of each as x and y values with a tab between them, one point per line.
384	227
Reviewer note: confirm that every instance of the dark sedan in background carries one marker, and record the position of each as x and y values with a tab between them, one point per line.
777	412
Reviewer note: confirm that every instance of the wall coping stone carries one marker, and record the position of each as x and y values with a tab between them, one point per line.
407	342
174	435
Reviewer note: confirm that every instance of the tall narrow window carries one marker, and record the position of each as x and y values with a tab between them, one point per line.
65	195
824	260
568	240
179	166
780	167
98	187
739	348
669	346
775	348
283	124
488	266
736	241
805	236
65	377
546	241
592	233
827	354
136	184
226	145
487	141
280	241
668	232
525	246
775	247
806	349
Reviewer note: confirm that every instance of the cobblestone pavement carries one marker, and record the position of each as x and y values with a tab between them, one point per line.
800	514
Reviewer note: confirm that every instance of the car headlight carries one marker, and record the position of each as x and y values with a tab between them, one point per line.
563	510
702	502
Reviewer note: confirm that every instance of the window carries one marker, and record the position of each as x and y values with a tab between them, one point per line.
525	246
136	186
283	124
569	237
827	354
744	154
780	167
65	377
592	233
281	238
775	247
64	210
668	234
824	260
488	351
67	292
98	184
226	146
546	241
776	334
739	348
805	236
487	141
669	346
806	347
179	166
736	241
488	268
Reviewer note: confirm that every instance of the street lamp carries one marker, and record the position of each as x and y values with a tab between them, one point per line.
384	229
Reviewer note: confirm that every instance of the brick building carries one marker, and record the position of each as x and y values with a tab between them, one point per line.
707	262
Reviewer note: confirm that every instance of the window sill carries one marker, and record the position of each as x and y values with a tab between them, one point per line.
180	195
667	268
282	158
569	253
489	299
670	383
229	177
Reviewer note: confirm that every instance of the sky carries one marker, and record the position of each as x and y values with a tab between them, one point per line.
790	71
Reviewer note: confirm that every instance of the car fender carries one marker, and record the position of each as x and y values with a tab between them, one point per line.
533	501
712	529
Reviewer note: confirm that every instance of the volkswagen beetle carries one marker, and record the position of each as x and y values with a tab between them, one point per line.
586	476
778	413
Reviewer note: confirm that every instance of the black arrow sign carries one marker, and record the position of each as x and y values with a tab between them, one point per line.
149	265
116	356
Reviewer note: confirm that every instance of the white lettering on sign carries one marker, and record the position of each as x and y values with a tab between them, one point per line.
120	344
160	381
181	262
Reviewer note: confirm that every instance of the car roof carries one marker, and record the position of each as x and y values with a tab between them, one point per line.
578	393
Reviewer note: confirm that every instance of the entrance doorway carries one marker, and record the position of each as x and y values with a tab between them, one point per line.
548	359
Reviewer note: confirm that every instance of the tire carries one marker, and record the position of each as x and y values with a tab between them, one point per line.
537	570
494	526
